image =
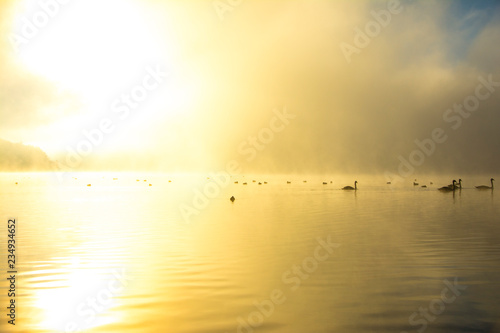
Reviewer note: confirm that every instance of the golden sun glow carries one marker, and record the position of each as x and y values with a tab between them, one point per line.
98	52
92	45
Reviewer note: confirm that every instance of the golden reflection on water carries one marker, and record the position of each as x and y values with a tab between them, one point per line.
78	238
118	257
80	293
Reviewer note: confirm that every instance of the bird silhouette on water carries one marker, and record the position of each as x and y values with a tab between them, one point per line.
484	187
350	187
447	188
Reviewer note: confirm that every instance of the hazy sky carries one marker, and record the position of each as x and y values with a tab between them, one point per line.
361	90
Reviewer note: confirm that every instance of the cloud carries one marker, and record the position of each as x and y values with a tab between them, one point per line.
357	116
27	100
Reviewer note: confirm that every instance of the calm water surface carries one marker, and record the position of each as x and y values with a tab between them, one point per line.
118	256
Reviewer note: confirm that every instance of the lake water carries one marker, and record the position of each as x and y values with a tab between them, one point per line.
118	256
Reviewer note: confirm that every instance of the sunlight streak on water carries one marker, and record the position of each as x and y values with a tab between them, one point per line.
118	257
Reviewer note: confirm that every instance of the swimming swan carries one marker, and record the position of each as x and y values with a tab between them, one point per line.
350	187
458	185
448	189
484	187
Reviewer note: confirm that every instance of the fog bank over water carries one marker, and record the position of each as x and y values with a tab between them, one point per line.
421	88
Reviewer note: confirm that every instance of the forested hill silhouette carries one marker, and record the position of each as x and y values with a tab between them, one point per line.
20	157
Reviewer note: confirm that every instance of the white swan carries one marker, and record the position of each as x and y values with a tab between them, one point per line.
484	187
448	189
350	187
458	185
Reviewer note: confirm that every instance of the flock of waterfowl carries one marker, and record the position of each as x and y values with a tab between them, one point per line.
117	179
448	188
453	186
